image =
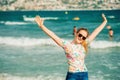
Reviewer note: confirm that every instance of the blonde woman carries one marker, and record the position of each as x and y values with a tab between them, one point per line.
76	50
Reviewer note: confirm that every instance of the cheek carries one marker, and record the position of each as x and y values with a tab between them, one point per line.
79	40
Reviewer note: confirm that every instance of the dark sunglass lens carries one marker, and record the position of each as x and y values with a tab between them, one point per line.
83	38
80	35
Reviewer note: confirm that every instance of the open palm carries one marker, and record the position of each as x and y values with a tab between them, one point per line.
39	20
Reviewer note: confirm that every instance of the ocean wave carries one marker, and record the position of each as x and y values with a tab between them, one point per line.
26	41
33	18
14	23
104	44
5	76
2	22
28	18
111	16
97	78
40	77
50	18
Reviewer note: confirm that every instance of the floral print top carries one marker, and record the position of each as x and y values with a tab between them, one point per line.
75	54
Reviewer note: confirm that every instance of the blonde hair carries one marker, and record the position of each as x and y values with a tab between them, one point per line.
84	43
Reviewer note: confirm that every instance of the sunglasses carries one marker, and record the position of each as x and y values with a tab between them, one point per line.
81	36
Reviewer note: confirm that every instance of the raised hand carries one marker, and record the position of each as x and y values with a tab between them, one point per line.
51	34
98	29
39	21
104	18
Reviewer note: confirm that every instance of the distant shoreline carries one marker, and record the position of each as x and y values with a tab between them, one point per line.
58	5
66	10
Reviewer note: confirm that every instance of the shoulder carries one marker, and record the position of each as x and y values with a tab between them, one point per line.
87	41
67	46
65	42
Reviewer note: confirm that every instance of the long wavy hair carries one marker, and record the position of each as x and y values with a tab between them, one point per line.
84	43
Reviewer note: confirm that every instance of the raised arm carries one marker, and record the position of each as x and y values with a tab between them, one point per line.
40	21
98	29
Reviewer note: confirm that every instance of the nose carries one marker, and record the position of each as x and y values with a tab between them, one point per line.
80	38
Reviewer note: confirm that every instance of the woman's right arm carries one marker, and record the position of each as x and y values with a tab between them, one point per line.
40	21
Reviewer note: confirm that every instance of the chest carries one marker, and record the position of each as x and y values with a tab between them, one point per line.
77	52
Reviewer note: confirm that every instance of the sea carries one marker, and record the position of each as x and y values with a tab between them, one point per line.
27	53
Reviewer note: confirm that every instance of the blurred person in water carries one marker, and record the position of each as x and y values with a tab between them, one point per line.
110	32
74	30
76	50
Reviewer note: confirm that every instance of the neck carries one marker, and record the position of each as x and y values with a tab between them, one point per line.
74	42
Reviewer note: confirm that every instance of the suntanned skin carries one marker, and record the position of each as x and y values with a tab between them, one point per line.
76	39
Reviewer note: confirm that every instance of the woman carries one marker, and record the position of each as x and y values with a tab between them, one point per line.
76	50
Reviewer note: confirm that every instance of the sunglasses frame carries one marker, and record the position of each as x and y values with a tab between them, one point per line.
83	37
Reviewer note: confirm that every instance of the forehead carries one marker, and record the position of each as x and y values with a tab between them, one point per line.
83	32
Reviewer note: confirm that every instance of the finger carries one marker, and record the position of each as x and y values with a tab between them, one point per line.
103	15
37	18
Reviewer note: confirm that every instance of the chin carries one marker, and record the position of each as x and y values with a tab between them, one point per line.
79	41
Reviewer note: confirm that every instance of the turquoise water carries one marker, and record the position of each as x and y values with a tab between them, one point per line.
26	53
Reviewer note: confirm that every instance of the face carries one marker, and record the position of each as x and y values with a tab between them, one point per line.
81	36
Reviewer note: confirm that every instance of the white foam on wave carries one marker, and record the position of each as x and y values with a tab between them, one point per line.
111	16
50	18
104	44
97	78
28	18
33	18
14	23
2	22
26	41
40	77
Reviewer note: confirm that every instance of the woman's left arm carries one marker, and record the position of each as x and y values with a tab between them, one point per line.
98	29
